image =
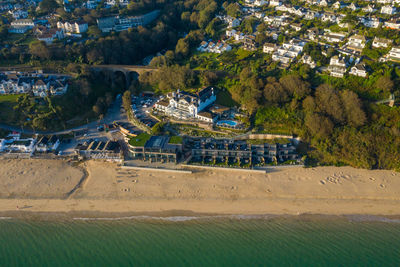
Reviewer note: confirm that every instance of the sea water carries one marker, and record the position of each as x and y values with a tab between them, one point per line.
206	241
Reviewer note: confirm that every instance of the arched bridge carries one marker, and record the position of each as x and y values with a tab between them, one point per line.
129	72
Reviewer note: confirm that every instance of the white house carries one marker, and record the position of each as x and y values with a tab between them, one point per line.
381	42
356	42
288	51
73	27
18	13
393	24
334	37
394	54
337	67
388	10
275	2
260	2
328	17
358	70
269	48
353	7
92	4
50	35
21	26
372	22
186	105
296	26
323	3
306	59
368	9
310	15
40	88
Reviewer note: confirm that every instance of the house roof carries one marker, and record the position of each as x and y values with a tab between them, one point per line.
206	93
205	114
360	66
382	40
358	36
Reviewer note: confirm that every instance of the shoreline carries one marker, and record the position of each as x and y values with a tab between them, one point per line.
183	216
102	209
37	189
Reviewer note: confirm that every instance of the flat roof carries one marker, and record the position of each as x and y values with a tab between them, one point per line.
139	140
156	142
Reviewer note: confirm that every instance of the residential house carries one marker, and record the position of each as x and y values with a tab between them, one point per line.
296	26
40	88
393	24
203	46
338	5
337	67
313	33
249	43
388	10
306	59
371	22
269	48
323	3
118	24
73	26
334	37
328	17
283	8
260	2
384	1
369	9
288	51
275	2
394	54
381	42
50	35
21	26
123	3
310	15
92	4
230	33
18	13
359	70
58	87
353	7
239	36
356	42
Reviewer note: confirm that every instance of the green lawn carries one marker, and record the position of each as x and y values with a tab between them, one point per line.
224	98
139	140
7	102
175	140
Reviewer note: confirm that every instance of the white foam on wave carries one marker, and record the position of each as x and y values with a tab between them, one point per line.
176	218
371	218
5	218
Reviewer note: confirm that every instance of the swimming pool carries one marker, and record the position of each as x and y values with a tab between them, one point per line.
229	123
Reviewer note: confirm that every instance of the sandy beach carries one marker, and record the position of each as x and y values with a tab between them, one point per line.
99	189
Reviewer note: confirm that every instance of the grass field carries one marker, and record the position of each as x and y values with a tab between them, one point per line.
224	98
7	103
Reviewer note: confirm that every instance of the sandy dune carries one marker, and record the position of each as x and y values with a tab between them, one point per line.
322	190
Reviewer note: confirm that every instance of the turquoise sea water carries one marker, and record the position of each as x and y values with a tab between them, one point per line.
281	241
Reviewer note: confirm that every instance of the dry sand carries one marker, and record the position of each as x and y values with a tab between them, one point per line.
46	186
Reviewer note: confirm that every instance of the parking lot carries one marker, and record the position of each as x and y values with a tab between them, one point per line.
141	107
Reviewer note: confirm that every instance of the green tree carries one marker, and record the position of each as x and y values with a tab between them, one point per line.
48	5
